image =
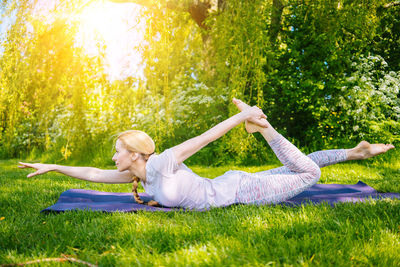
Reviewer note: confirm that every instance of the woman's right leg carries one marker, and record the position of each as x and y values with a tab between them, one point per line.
322	158
325	158
363	150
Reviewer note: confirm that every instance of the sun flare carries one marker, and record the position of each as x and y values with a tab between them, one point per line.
117	27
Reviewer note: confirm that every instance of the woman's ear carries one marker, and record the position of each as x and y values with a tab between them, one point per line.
134	156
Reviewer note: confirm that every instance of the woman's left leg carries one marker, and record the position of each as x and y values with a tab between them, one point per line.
264	188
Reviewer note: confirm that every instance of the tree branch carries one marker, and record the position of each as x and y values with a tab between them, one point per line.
181	5
199	10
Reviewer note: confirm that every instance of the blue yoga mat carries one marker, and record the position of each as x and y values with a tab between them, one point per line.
80	199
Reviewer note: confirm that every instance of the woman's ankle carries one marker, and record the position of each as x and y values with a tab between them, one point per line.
351	155
269	133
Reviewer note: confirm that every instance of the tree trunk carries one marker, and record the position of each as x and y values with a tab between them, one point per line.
276	18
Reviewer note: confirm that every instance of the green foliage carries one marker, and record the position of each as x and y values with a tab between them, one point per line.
301	76
328	78
55	98
36	62
319	41
236	54
368	106
387	40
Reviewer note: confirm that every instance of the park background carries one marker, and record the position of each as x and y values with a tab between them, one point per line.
73	74
326	73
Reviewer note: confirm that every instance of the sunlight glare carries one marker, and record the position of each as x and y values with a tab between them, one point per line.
117	26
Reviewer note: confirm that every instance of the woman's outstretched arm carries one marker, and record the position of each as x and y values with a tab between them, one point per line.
186	149
83	173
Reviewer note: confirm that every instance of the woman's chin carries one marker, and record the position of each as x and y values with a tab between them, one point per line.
121	169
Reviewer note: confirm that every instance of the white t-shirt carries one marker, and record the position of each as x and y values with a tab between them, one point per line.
175	185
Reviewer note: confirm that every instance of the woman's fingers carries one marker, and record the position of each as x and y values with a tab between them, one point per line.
253	112
263	122
257	116
260	122
32	174
259	112
38	168
25	165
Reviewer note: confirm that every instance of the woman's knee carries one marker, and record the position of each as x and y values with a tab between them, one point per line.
314	172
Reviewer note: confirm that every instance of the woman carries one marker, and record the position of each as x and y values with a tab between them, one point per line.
172	184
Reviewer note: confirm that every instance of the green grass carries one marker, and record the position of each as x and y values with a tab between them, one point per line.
364	234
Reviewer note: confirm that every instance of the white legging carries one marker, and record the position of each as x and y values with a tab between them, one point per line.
298	173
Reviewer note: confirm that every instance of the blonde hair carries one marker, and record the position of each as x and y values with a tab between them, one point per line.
139	142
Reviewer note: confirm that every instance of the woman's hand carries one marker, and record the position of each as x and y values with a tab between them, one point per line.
255	115
40	168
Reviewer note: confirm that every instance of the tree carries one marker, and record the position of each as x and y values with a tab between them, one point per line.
198	10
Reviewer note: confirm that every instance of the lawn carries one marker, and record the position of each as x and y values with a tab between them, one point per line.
362	234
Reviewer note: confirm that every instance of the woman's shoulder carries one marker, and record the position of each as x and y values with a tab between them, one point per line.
164	162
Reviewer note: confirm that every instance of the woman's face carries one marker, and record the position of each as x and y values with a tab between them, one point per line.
122	157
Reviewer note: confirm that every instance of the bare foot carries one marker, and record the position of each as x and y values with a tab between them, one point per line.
250	126
366	150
